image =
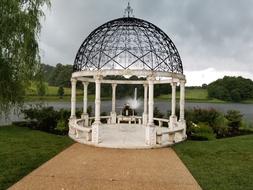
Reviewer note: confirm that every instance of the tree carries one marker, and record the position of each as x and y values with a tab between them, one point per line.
41	88
231	88
235	95
204	85
19	51
60	91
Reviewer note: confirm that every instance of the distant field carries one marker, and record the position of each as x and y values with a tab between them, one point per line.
198	95
66	98
190	94
50	91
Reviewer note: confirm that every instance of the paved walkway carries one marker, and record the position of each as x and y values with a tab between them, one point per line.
90	168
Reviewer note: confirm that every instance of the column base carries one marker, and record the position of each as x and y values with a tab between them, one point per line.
85	116
173	122
71	123
95	136
72	117
113	117
150	137
182	124
144	118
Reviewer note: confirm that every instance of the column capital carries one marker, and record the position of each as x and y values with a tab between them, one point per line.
150	78
173	83
85	83
182	81
145	85
114	85
98	77
73	80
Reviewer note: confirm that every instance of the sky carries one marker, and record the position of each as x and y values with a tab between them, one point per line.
214	38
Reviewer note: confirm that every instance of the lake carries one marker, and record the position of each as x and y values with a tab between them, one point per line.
163	106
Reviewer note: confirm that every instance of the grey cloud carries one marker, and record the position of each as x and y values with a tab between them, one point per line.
208	33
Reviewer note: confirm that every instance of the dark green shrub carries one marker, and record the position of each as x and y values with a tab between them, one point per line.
205	115
202	132
211	117
45	117
220	126
234	118
62	127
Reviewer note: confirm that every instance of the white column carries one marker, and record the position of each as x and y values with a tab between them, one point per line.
73	98
182	122
173	99
97	100
95	125
85	99
173	117
151	102
113	113
150	129
145	108
182	99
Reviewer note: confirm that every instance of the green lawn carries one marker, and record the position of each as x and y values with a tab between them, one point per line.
196	93
50	90
220	164
66	98
192	95
22	150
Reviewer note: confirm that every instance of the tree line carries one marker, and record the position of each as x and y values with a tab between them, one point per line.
60	75
234	89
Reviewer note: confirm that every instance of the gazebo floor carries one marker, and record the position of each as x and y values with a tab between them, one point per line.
125	136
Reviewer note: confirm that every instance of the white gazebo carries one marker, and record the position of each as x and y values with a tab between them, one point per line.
128	47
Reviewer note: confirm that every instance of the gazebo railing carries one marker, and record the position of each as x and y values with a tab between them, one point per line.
78	129
161	121
171	132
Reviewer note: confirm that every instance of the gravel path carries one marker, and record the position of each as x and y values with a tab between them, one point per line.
90	168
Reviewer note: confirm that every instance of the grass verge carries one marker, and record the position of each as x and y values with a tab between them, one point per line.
22	150
220	164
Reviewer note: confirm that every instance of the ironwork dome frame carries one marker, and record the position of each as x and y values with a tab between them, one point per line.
128	43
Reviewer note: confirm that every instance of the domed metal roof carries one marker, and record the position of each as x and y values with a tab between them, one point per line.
128	43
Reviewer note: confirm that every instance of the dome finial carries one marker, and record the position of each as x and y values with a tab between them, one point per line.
129	11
